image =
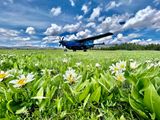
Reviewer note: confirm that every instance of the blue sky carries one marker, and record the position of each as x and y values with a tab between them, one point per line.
41	22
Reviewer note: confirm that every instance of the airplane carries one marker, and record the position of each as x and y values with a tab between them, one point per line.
82	44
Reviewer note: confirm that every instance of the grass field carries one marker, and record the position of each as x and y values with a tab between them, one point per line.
96	85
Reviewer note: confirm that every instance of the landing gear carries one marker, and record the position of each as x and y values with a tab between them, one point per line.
85	50
74	50
65	50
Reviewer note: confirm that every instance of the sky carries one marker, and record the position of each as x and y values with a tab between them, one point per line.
40	23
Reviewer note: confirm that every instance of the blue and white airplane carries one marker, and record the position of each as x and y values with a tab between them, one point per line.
83	44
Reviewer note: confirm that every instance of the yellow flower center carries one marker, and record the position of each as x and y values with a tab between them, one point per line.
116	69
22	81
2	75
122	66
70	78
120	78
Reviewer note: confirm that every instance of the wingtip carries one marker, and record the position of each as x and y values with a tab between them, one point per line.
110	33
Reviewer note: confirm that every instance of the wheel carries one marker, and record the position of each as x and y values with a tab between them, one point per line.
74	50
85	50
65	50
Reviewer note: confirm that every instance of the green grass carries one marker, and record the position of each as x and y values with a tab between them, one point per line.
91	92
138	55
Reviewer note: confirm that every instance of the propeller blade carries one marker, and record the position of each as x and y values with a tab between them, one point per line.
62	38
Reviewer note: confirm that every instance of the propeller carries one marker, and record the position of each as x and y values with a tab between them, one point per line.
61	41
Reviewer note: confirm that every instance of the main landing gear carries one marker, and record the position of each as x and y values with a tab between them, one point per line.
65	50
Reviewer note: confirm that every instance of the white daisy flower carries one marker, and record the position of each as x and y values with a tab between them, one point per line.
65	60
156	65
78	64
3	75
70	75
131	60
150	65
134	65
36	64
46	71
1	61
120	77
22	80
148	61
97	65
114	68
122	65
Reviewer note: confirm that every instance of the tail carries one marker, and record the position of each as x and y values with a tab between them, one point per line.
100	43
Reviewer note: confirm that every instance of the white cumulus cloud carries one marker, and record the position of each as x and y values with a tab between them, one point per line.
71	27
20	38
157	2
84	9
135	41
79	17
112	5
55	11
145	18
91	25
96	13
83	34
30	30
79	35
120	36
51	39
71	37
72	2
54	29
112	23
8	33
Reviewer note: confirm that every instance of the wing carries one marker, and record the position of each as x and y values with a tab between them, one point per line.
96	37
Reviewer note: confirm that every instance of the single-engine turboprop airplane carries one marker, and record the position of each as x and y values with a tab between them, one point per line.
83	44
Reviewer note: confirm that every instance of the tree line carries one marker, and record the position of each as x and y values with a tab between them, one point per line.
130	46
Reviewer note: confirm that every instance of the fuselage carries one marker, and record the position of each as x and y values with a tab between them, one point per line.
77	45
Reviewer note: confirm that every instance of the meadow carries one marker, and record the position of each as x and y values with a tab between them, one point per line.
93	85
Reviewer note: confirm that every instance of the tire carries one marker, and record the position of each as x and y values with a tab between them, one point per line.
85	50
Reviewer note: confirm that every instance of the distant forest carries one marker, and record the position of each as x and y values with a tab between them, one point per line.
125	46
131	46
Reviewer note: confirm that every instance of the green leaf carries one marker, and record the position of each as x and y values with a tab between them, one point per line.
96	95
8	106
39	95
50	92
68	97
42	105
81	85
84	93
22	110
86	100
122	118
58	104
137	107
135	94
40	92
152	100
